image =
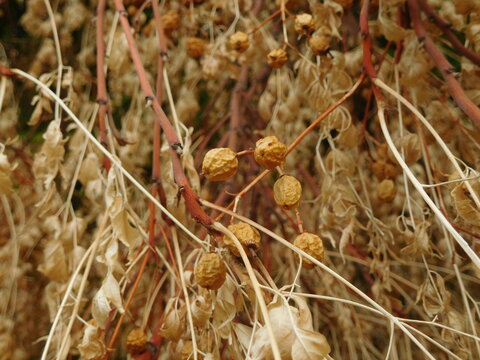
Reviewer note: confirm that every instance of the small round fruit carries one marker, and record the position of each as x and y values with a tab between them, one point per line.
304	24
219	164
270	152
239	41
210	272
386	190
136	341
248	236
319	45
195	47
277	58
287	192
312	245
171	20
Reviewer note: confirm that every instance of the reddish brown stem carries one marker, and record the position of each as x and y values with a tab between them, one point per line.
446	69
102	96
191	198
447	31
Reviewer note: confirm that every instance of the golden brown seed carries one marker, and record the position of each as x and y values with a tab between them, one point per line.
171	21
270	152
277	58
195	47
319	45
386	190
312	245
219	164
304	24
136	341
248	236
239	41
287	192
210	272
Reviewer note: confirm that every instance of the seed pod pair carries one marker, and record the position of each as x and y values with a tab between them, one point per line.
287	192
247	235
210	272
219	164
312	245
270	152
239	41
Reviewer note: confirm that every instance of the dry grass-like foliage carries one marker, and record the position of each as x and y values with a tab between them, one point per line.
107	109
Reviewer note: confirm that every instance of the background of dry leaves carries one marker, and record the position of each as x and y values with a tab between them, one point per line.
77	269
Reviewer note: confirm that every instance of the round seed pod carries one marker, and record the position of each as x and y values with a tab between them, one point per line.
319	44
136	341
304	24
195	47
287	192
312	245
277	58
270	152
248	236
210	272
239	41
386	190
171	20
384	170
219	164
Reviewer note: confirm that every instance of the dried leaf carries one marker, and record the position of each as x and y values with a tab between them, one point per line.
309	345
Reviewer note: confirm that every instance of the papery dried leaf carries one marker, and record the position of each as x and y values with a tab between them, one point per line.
108	294
54	265
411	149
225	307
435	297
464	205
309	345
201	311
174	324
92	346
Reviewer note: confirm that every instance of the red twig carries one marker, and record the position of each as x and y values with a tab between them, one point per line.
191	198
446	29
102	96
446	69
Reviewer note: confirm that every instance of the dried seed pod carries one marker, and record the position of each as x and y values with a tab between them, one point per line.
312	245
384	170
287	192
195	47
219	164
170	21
239	41
304	24
186	353
210	272
386	190
270	152
277	58
248	236
319	44
136	341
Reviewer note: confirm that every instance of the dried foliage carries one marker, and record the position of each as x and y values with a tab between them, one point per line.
241	179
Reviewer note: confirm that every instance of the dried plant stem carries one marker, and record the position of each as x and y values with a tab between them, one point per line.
178	256
102	96
326	269
431	129
116	331
256	286
191	198
113	159
58	51
447	31
88	257
446	69
418	186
